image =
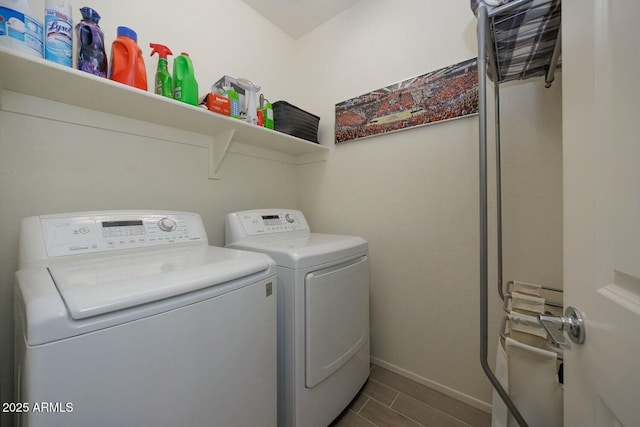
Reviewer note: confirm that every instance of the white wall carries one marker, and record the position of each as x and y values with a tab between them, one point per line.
414	194
424	301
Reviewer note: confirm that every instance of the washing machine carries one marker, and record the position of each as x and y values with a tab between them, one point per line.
323	311
130	318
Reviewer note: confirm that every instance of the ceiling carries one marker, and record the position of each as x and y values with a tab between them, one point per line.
298	17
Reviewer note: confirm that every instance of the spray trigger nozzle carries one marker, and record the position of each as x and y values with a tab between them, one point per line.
160	49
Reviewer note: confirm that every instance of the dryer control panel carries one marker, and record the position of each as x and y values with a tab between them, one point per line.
86	233
266	221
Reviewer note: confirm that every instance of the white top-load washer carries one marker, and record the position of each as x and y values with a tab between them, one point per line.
130	318
323	311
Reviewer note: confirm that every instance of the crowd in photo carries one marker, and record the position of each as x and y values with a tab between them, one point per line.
426	99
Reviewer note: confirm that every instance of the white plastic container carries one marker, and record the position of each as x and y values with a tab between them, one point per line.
58	32
19	30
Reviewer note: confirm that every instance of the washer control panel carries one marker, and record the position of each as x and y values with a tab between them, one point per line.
69	235
269	221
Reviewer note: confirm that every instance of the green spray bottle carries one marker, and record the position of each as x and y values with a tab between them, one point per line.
185	86
163	81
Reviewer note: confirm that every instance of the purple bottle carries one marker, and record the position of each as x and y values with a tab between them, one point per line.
91	54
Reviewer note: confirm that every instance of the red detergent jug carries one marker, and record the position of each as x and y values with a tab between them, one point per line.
127	63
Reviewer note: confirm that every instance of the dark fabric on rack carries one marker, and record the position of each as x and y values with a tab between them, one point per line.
561	373
523	39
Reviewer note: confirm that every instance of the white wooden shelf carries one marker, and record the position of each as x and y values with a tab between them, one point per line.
43	79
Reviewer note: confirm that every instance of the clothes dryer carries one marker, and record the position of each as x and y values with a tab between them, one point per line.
323	311
130	318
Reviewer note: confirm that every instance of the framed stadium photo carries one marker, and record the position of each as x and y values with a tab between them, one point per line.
445	94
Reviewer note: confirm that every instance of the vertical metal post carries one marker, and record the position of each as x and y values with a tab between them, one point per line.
554	60
484	273
496	90
497	78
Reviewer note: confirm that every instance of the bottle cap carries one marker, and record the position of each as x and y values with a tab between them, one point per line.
89	14
127	32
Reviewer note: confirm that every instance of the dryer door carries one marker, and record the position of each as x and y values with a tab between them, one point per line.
336	317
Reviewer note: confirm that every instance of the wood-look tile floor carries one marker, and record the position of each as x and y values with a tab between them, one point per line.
389	400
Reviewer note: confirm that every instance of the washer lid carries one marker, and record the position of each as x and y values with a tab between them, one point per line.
301	250
95	287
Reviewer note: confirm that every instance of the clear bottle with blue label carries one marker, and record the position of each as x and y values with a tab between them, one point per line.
58	32
19	30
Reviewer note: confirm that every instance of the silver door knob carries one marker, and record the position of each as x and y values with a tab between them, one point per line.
571	323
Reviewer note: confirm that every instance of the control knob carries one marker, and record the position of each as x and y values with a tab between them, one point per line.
166	224
289	218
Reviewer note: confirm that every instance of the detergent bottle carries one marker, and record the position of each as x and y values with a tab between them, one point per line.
185	86
127	63
163	81
267	112
19	30
92	57
58	32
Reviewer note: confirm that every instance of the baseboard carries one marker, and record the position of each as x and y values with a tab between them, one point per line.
483	406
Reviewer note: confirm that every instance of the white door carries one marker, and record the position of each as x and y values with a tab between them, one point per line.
601	149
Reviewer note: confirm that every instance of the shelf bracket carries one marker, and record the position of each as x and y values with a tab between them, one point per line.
218	147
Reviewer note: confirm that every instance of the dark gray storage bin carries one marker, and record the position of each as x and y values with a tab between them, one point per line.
293	121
